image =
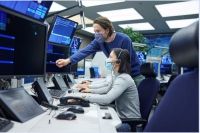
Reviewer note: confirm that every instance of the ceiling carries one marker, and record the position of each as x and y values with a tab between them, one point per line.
146	9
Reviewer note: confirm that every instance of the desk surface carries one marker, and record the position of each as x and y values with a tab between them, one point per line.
90	121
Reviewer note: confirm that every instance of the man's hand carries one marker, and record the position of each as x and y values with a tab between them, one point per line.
62	62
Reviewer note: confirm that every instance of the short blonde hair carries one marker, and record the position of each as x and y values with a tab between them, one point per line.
105	24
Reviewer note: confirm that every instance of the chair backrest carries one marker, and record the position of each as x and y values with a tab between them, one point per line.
179	109
147	89
171	79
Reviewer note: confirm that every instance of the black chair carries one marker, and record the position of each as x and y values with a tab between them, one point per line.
179	109
147	90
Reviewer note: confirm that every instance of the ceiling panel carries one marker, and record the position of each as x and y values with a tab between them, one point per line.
146	9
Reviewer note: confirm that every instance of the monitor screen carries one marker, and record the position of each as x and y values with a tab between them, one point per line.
141	56
55	52
18	105
186	69
155	64
75	44
166	59
62	30
81	67
74	68
33	9
22	46
165	69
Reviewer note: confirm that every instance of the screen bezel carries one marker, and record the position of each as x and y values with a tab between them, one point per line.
42	20
44	61
51	27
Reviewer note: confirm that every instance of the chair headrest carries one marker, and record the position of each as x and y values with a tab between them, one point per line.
147	69
184	46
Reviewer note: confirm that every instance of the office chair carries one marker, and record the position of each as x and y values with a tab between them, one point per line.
179	109
147	90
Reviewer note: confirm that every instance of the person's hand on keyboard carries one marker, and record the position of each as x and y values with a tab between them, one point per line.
81	86
85	82
85	90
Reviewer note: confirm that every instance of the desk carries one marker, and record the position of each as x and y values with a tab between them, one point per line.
90	121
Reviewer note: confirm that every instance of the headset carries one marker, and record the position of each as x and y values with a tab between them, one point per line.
118	58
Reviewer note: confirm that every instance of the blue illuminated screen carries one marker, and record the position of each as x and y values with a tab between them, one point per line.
166	59
34	9
155	64
22	46
75	44
62	30
55	52
141	56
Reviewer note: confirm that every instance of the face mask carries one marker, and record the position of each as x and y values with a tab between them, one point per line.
109	64
99	37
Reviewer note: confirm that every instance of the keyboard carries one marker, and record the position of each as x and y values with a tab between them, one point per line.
5	125
57	93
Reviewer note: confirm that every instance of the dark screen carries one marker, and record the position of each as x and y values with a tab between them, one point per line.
55	52
62	30
165	69
75	44
22	46
18	105
33	9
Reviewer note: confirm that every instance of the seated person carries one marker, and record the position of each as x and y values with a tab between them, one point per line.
123	89
96	84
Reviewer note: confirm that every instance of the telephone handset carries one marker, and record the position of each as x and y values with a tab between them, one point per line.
79	101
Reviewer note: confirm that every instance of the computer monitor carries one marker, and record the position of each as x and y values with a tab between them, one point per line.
75	44
166	69
18	105
141	56
62	30
156	61
81	67
74	68
33	9
55	52
22	46
166	59
186	69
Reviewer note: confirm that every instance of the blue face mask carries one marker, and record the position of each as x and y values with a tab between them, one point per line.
109	64
99	37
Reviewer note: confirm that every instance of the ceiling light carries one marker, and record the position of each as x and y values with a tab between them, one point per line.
56	7
89	29
178	9
180	23
138	26
121	14
88	3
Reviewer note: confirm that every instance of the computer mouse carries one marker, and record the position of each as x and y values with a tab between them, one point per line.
76	109
81	89
66	115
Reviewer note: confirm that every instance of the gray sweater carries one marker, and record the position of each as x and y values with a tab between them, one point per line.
124	92
103	83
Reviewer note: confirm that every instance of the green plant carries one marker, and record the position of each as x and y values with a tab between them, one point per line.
136	37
